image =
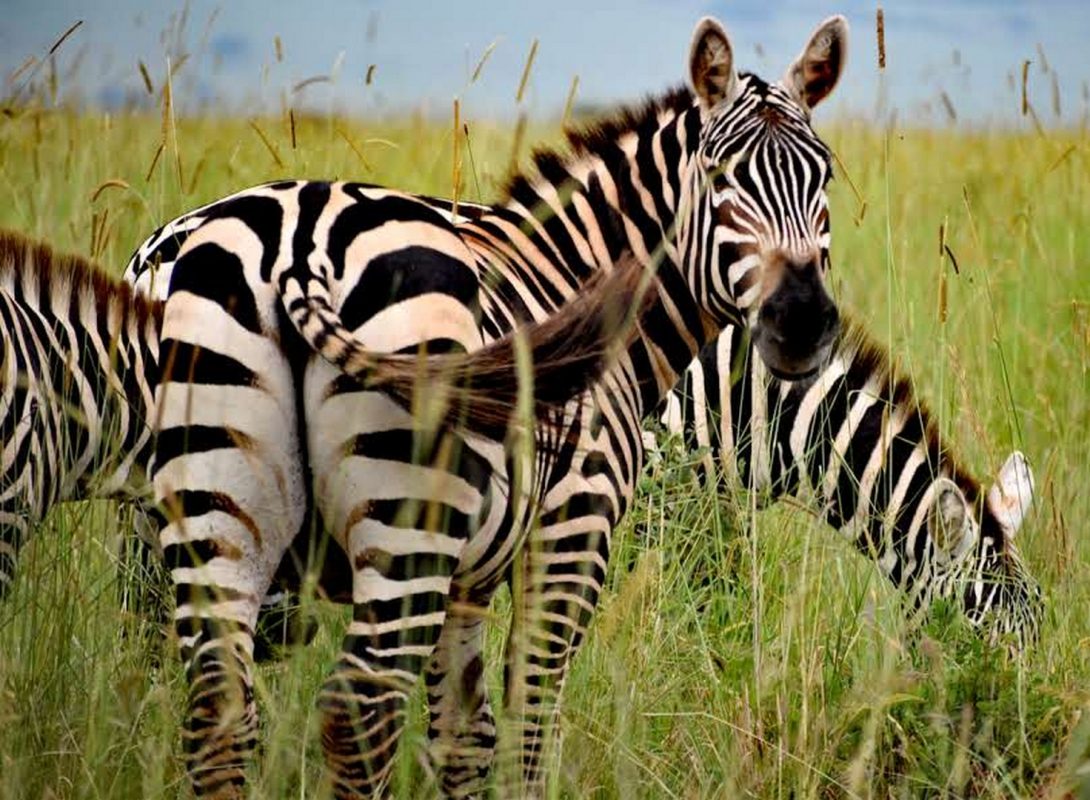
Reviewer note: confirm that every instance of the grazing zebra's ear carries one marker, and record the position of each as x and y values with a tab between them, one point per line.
817	69
711	64
1011	495
950	521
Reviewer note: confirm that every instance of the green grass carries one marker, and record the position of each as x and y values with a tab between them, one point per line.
745	653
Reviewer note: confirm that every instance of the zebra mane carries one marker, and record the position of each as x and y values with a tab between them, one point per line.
599	137
859	349
30	267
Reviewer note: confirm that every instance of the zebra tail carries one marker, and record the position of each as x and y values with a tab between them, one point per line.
567	352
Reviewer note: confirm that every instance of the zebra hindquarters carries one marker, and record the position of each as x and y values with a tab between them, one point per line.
229	480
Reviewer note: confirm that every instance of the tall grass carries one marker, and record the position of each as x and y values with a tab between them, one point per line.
737	652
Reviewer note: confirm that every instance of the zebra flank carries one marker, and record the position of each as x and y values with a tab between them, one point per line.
79	358
856	443
348	358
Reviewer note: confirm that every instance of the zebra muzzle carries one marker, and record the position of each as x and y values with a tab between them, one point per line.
797	325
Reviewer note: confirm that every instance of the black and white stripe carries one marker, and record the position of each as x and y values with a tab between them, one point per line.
79	363
80	366
261	441
864	454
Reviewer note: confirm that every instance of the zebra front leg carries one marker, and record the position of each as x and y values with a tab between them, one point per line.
401	581
462	729
13	532
144	586
554	595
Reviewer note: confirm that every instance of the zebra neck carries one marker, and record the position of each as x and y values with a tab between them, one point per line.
88	353
614	197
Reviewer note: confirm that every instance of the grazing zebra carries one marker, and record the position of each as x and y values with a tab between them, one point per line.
79	364
866	455
718	190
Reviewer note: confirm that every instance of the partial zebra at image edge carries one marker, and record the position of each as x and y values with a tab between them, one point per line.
23	256
565	353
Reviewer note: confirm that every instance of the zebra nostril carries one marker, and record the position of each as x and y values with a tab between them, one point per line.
774	315
831	319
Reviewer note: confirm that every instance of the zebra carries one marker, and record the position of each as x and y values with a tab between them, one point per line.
715	195
865	455
79	369
80	359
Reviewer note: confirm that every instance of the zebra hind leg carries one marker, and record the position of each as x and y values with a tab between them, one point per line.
398	615
562	580
215	631
462	729
144	590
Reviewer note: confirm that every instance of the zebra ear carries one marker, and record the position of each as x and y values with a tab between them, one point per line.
1012	493
950	520
711	63
817	69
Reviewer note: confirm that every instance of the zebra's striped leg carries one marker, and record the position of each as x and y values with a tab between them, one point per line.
462	729
219	598
399	602
229	482
13	532
563	576
221	731
144	590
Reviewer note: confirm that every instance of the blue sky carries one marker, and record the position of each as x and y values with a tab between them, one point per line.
424	52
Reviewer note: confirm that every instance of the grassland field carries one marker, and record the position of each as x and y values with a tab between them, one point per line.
736	653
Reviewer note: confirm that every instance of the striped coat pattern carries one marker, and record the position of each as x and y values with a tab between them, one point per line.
862	451
429	496
79	365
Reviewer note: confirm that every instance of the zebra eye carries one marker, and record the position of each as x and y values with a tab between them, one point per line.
719	181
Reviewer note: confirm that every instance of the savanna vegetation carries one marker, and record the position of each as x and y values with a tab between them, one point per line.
737	652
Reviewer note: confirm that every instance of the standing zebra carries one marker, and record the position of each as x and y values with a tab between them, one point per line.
719	191
865	454
79	368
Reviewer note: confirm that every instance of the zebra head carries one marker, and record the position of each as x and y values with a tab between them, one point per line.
976	556
760	233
